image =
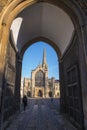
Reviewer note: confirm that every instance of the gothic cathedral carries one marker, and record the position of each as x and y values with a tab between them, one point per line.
40	85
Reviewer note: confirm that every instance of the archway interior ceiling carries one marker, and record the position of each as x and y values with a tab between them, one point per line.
42	20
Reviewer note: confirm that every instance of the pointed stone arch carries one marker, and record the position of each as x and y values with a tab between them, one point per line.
44	39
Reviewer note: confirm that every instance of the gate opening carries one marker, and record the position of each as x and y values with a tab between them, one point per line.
40	72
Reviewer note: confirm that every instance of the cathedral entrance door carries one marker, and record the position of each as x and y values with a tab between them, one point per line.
50	94
40	94
29	94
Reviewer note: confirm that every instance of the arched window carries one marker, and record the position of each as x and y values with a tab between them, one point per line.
40	79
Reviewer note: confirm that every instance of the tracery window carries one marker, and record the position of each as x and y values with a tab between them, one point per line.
40	79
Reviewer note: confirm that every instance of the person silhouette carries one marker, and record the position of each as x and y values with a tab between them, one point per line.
24	102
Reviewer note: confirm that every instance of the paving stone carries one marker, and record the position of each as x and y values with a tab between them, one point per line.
40	114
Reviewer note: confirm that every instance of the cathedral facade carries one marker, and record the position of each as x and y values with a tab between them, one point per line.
39	85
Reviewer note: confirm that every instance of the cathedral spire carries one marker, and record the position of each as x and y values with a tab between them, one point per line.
44	56
44	64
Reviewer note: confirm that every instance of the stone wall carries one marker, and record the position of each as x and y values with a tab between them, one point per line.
71	96
9	83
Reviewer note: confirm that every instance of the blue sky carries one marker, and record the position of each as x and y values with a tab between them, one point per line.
33	57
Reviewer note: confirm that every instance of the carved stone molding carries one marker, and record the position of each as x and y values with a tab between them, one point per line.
81	3
3	3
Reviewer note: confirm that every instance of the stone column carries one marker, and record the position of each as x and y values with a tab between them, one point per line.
18	82
3	53
83	70
2	102
61	87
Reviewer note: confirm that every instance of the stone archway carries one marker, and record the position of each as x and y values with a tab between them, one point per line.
40	94
78	64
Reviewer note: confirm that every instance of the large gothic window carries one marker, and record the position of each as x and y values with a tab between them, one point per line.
40	79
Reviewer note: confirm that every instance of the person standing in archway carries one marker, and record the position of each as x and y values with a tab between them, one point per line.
24	102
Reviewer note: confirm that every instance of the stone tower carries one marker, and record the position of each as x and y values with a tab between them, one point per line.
39	78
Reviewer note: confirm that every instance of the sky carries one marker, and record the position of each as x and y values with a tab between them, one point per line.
33	56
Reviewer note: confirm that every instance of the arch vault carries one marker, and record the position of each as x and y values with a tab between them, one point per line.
63	25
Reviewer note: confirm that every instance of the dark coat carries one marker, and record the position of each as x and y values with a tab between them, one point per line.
25	100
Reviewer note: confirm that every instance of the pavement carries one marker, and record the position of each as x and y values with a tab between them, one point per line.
40	114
